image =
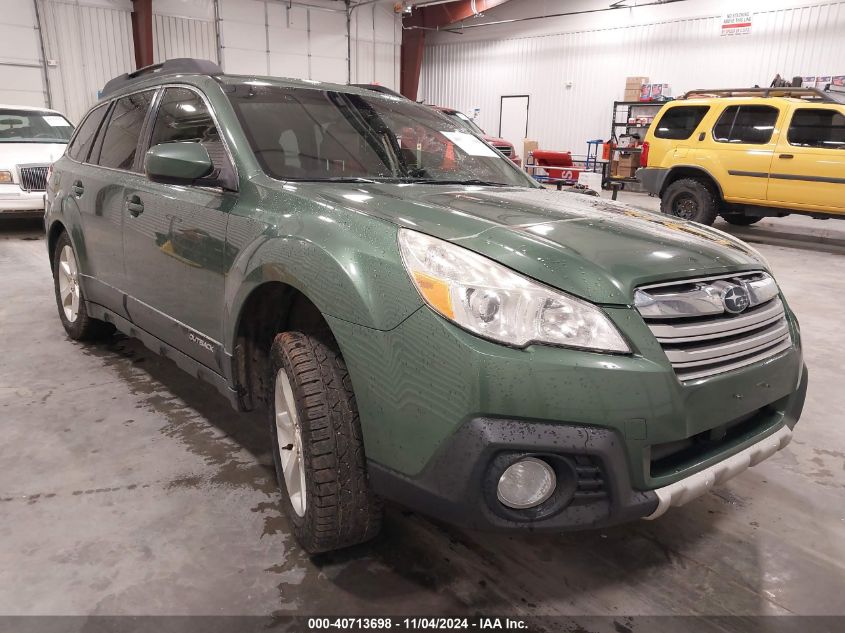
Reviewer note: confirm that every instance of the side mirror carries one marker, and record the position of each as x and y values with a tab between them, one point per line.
180	163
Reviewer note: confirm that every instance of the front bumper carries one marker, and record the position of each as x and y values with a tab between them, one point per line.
439	405
15	199
458	485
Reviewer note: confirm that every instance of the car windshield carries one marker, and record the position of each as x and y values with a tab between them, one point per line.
324	135
29	126
465	122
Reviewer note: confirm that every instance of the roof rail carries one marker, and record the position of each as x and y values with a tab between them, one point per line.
178	66
810	94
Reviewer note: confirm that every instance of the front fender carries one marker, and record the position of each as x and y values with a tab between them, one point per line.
350	268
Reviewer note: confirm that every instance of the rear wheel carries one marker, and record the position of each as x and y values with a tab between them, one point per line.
70	298
740	219
690	199
318	449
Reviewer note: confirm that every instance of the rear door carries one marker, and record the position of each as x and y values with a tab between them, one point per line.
740	150
174	240
111	158
809	166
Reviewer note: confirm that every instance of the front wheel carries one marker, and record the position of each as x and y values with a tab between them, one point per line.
740	219
690	199
318	450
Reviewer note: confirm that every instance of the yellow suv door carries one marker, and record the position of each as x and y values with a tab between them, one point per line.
808	171
740	150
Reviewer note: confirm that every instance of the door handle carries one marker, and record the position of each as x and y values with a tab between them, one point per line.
786	156
77	189
134	206
702	136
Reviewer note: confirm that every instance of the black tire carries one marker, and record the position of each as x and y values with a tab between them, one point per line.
341	509
740	219
690	199
83	327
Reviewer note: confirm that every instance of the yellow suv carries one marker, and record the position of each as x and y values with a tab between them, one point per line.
748	154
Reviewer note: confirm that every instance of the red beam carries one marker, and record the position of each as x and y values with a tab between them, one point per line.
427	18
142	32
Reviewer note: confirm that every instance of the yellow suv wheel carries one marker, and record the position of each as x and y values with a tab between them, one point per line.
690	199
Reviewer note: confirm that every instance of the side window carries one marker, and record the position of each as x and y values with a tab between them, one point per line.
817	128
750	124
679	123
183	116
120	141
81	143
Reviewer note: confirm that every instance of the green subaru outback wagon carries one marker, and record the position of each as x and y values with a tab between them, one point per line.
422	322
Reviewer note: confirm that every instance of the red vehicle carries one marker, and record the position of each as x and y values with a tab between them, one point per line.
470	126
462	120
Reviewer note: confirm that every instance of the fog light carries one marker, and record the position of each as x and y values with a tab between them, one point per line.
526	483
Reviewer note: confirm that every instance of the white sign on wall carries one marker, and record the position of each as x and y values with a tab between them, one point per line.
736	23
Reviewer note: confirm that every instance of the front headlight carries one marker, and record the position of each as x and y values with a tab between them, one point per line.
492	301
6	177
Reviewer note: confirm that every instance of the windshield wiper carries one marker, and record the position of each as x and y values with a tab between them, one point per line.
468	181
336	179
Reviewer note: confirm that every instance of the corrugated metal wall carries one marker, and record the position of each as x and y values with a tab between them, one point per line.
90	43
310	42
175	36
21	70
376	43
686	53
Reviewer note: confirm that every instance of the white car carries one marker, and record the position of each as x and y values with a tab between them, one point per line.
30	140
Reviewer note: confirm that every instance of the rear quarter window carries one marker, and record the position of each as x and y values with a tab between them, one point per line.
80	146
680	122
817	127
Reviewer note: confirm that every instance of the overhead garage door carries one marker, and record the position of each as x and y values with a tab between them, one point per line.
184	30
90	42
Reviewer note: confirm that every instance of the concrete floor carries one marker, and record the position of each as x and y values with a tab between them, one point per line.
127	487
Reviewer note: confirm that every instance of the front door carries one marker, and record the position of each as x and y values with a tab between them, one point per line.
743	143
809	167
174	239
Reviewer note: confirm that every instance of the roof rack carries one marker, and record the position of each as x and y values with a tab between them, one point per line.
178	66
810	94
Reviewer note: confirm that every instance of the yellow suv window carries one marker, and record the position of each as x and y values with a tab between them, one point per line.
817	127
749	124
679	123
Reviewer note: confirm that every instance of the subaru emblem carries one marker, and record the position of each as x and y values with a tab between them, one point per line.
735	299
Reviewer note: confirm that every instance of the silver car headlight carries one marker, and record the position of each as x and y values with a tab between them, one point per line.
494	302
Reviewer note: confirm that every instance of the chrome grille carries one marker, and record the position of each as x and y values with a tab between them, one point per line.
34	178
505	149
701	337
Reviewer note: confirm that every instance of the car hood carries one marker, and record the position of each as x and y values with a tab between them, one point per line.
12	154
593	248
495	140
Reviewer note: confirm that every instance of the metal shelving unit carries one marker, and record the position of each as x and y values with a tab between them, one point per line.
626	109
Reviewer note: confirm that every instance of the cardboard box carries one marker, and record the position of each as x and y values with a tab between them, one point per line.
823	82
629	160
808	82
635	82
528	146
632	94
837	83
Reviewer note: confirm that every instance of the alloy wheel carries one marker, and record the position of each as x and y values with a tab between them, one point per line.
69	284
289	437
